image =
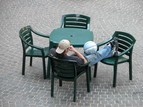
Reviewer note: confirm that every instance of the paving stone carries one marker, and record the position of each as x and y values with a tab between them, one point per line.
31	90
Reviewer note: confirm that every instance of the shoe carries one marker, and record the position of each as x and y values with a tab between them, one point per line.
114	45
115	53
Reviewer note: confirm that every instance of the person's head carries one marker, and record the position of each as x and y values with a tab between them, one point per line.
90	47
63	46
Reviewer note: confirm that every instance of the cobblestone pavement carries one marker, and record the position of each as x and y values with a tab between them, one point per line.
32	90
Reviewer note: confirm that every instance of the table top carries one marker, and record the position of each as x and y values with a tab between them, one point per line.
77	37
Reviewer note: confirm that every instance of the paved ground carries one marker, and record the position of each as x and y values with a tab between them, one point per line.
32	90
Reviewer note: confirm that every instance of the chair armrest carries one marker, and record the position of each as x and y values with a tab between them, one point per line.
37	47
83	65
126	51
39	34
104	42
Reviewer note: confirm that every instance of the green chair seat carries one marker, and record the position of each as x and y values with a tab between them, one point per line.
111	60
37	53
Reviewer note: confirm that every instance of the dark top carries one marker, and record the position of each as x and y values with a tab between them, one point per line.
72	57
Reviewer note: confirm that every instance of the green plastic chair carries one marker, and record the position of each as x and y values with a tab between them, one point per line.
68	70
30	50
75	21
126	43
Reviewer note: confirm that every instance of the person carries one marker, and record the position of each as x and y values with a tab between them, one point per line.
62	50
91	54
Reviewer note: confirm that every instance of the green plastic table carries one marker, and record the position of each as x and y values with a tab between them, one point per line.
76	36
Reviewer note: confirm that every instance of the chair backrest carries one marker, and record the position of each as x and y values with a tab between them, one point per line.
63	68
25	35
125	41
75	21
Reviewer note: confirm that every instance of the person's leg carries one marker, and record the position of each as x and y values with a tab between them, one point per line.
101	54
105	52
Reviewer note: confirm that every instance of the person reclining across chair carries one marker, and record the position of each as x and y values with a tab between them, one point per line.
90	55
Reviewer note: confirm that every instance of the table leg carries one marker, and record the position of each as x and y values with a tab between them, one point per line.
48	69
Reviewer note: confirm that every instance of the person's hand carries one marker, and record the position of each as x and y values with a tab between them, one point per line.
71	48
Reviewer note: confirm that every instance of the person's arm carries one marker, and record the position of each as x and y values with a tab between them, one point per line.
71	48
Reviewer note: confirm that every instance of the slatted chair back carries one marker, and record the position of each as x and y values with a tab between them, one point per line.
75	21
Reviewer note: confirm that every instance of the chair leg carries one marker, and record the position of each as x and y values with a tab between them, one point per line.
130	70
23	65
60	82
89	73
95	70
74	98
44	68
52	86
30	61
48	69
87	81
115	75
